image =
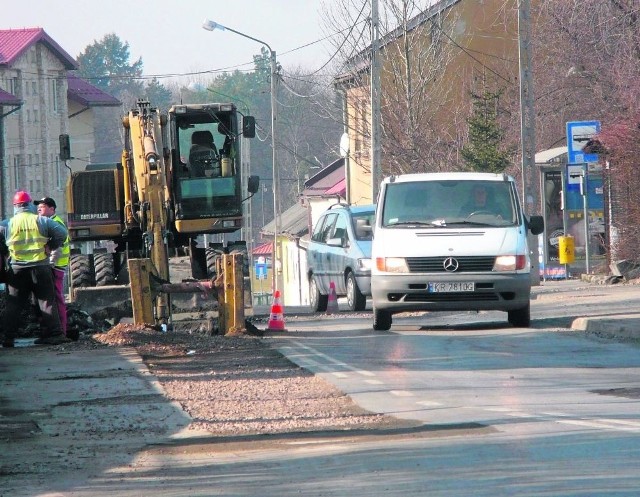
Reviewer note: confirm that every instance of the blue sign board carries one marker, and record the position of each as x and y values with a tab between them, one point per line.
579	134
261	270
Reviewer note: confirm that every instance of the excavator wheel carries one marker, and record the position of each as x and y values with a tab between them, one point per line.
81	271
213	253
104	269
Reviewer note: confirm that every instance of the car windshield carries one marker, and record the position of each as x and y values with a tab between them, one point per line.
440	204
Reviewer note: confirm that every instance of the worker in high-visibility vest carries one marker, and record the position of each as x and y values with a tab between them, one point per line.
47	207
27	235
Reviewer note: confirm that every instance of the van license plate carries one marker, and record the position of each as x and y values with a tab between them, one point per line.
450	287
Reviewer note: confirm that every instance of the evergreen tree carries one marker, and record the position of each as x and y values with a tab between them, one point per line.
484	152
106	64
158	95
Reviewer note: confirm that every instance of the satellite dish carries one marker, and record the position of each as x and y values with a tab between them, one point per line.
344	145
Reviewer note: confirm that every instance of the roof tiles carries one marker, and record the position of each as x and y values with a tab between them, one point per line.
14	42
88	95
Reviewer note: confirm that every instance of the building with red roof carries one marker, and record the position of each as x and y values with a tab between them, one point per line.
40	100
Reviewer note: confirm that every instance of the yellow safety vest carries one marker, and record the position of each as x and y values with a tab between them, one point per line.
63	261
25	242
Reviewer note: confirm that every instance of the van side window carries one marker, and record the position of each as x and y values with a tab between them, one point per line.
317	230
327	227
340	229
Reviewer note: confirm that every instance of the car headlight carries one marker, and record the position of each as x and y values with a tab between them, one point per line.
364	264
510	262
392	264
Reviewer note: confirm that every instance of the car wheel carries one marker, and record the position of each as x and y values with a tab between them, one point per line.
381	320
520	318
355	299
317	300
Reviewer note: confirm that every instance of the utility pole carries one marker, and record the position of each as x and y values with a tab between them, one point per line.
376	173
530	183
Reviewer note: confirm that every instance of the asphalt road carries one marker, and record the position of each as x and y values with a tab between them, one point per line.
505	412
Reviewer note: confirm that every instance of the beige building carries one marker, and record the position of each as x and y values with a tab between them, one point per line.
428	71
39	101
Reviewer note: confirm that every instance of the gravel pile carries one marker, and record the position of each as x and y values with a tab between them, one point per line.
238	385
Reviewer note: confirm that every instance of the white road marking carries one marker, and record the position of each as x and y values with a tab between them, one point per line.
331	360
631	426
429	403
401	393
374	382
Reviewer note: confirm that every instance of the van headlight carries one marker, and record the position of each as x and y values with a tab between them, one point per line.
510	263
392	264
364	265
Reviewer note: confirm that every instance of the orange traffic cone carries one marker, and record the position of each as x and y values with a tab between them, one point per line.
332	302
276	318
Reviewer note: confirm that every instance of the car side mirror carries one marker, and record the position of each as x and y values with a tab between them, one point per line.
536	224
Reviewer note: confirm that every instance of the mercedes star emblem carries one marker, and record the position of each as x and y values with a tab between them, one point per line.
450	265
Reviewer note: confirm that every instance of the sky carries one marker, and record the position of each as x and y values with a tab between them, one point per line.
168	34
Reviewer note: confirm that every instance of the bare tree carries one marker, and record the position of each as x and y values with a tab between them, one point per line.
587	66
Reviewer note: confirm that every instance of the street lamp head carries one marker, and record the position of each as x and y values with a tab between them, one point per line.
210	25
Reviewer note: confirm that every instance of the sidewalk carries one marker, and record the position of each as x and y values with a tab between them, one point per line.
61	408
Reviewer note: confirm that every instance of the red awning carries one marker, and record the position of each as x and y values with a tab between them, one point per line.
339	188
264	249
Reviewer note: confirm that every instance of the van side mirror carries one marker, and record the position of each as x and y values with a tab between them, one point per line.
363	228
536	224
248	126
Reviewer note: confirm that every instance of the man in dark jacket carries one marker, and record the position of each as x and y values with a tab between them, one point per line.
30	272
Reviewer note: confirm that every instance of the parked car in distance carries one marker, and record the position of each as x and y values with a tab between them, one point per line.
340	252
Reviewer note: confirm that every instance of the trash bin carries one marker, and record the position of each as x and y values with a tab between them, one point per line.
566	250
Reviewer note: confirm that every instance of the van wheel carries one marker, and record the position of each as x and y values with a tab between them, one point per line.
318	301
381	320
520	318
355	299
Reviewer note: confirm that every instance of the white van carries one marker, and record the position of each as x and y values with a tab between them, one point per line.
451	241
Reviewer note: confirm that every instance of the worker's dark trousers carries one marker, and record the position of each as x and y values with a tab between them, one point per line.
22	282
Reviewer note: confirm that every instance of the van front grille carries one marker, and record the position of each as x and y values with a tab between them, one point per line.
465	264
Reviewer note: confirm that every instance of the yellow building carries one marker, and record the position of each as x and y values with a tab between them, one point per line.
428	71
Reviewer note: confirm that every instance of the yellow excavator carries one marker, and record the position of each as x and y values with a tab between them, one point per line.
180	179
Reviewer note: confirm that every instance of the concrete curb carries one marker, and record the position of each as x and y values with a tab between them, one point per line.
625	326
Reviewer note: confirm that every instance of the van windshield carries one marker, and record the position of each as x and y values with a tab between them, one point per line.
450	203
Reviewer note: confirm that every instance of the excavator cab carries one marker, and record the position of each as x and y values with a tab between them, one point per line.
207	183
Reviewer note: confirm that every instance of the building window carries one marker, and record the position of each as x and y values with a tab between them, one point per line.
35	115
13	86
26	88
54	95
28	115
37	160
34	88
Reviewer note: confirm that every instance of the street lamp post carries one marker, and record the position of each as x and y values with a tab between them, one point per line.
211	26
